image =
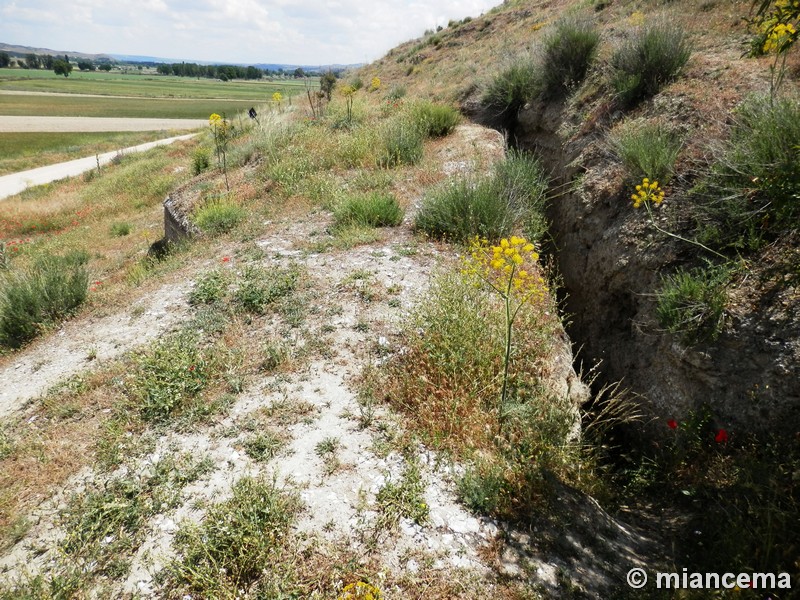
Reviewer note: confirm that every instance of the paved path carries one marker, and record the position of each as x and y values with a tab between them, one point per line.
17	182
26	124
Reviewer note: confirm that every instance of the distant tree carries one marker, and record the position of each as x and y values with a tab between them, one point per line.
299	72
326	84
105	67
62	67
86	65
31	61
5	59
47	61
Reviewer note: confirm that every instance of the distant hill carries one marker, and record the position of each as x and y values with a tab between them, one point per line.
17	50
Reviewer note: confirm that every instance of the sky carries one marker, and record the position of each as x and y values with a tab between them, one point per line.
308	32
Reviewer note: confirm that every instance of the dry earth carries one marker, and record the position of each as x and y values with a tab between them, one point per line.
357	320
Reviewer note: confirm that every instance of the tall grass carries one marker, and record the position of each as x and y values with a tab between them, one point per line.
647	61
490	206
44	294
753	192
511	89
647	149
374	210
567	54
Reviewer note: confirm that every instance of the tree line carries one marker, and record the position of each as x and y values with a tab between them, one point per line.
228	72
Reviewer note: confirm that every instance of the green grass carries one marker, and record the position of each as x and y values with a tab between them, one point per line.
34	299
647	150
568	53
21	151
144	85
237	545
647	61
511	88
375	210
219	216
692	303
260	287
77	106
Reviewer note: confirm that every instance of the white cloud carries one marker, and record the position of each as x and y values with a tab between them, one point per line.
242	31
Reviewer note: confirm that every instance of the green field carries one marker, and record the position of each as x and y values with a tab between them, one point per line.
90	106
22	151
132	94
146	85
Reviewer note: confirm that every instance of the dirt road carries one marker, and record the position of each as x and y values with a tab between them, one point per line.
17	182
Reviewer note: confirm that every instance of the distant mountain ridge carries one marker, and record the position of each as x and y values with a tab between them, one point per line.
17	50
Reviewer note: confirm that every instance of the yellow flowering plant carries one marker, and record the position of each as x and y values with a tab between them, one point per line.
360	591
220	128
510	270
375	84
777	25
649	193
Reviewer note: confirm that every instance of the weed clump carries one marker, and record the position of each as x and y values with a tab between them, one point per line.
402	145
237	541
511	89
647	61
219	216
260	287
692	303
753	192
567	55
487	207
371	210
435	120
41	296
647	150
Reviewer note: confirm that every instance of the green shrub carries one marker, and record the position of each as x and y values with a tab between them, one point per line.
435	120
219	216
753	192
169	375
236	542
647	150
511	89
209	288
489	207
201	160
46	293
260	287
568	52
402	145
692	303
458	211
396	93
647	61
120	229
376	210
525	185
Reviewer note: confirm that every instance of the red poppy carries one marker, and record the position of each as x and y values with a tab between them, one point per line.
226	259
721	437
191	368
672	424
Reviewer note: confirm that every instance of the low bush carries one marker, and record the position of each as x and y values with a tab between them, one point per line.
402	144
753	192
219	216
458	211
647	150
648	60
567	55
209	288
46	293
260	287
376	210
120	229
511	89
235	544
488	207
201	160
525	185
435	120
692	303
169	376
